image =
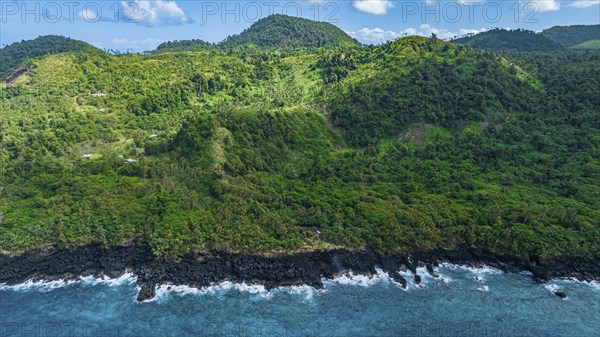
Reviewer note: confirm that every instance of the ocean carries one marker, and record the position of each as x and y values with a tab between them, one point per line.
462	301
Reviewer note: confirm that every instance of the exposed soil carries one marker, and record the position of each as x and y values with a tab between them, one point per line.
12	79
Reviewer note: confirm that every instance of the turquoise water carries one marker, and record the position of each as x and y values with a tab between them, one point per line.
462	302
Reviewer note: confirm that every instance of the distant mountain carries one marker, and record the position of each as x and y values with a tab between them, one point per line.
12	55
184	45
501	40
570	36
287	32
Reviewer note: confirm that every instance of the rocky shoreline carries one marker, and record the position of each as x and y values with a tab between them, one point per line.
271	271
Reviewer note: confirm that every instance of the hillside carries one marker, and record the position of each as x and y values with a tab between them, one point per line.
287	32
12	55
274	32
501	40
410	146
184	45
591	44
428	81
570	36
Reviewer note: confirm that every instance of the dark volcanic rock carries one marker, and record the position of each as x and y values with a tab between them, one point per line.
579	268
278	270
147	290
417	279
560	294
430	270
399	279
68	263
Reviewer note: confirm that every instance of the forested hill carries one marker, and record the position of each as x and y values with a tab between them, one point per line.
421	80
287	32
275	32
184	45
502	40
413	145
570	36
12	55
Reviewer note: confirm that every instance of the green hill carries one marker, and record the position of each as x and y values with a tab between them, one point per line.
501	40
421	80
13	55
570	36
413	145
274	32
287	32
184	45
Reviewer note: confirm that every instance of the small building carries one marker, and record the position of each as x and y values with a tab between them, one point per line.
99	94
87	156
131	160
101	110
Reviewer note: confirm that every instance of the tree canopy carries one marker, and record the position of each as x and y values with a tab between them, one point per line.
502	40
287	32
570	36
12	55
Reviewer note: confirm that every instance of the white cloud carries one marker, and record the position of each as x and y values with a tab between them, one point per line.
153	13
376	7
442	33
135	44
462	31
378	35
374	35
583	3
544	5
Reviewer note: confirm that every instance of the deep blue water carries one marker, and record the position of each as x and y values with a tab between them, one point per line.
463	302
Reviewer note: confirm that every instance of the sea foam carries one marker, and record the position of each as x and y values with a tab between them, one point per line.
479	274
482	270
226	286
39	285
593	284
484	289
305	291
426	278
127	278
349	278
163	291
45	285
552	287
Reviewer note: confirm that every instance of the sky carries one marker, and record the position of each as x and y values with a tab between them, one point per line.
138	25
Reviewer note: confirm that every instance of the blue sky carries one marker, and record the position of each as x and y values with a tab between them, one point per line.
143	24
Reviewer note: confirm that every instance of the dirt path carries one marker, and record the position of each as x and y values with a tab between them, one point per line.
12	79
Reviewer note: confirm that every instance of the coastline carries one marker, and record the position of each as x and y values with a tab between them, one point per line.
201	270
